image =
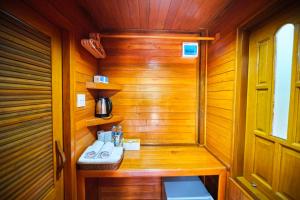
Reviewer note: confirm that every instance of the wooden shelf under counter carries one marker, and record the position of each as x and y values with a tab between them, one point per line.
103	86
99	121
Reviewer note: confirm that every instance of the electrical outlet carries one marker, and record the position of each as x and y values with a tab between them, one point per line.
80	100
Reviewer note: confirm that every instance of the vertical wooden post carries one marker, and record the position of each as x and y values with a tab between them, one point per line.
222	185
80	187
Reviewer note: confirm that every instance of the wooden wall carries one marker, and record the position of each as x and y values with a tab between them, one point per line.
221	83
123	188
85	67
159	100
129	188
220	94
221	77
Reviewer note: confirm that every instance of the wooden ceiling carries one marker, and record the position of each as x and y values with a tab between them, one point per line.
153	15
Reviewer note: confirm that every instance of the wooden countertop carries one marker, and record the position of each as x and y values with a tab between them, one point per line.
163	161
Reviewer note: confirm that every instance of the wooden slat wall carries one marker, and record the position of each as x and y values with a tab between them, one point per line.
129	188
221	81
25	111
159	100
85	68
220	94
124	188
221	77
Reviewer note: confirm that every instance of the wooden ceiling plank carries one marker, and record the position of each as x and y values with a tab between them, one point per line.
109	15
133	6
162	15
144	8
190	16
186	16
153	14
86	4
124	13
172	13
118	19
181	16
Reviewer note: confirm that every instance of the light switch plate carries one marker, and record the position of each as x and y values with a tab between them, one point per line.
80	100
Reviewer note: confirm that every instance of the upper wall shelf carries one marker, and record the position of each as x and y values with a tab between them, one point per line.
100	121
103	86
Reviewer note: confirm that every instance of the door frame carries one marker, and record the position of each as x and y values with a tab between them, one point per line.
241	77
23	12
241	86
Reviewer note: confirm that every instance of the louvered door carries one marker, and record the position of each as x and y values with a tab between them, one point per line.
30	111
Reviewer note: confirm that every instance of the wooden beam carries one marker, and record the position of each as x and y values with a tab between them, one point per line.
143	36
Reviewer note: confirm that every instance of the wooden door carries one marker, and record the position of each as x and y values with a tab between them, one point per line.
31	158
272	147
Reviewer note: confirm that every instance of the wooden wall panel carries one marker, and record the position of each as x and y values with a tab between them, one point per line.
221	77
159	100
221	81
220	94
129	188
85	68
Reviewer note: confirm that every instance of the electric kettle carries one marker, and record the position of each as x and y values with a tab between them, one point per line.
103	107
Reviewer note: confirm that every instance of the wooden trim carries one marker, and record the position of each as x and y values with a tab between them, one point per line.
198	106
68	116
136	36
80	187
221	184
202	93
240	102
152	173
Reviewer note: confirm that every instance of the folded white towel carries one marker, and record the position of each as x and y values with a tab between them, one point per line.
106	150
93	150
113	158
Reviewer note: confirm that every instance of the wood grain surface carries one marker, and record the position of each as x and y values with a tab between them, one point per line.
151	162
153	15
159	98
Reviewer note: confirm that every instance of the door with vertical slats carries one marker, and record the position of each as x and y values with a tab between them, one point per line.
30	111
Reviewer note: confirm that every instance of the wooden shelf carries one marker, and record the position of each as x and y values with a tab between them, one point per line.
103	86
99	121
